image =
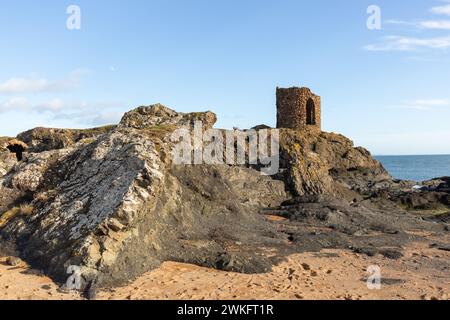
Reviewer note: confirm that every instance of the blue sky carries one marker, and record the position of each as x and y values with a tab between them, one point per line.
386	89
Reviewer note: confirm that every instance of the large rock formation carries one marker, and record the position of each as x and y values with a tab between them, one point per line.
327	163
45	139
112	202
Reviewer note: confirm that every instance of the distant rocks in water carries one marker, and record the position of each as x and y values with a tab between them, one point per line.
112	202
441	184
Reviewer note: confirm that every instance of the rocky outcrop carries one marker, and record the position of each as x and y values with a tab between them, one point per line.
102	204
7	161
112	202
158	115
327	163
11	150
441	184
45	139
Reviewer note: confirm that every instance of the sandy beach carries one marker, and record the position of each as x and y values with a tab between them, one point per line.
422	274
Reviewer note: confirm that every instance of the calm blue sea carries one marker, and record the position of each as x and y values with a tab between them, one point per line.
417	168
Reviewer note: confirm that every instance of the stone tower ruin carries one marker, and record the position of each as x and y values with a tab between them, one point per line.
298	108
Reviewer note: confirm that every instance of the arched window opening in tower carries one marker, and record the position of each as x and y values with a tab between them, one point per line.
310	113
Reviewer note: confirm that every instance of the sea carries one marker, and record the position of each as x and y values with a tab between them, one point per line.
416	168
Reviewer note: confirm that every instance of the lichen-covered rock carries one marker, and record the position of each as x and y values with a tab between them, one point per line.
326	163
7	161
159	115
80	190
45	139
119	199
10	150
441	184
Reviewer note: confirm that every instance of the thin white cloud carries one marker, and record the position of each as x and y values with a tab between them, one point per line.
435	24
411	107
427	24
35	84
17	103
433	102
97	113
94	118
51	106
102	118
421	105
400	22
22	85
444	10
73	80
398	43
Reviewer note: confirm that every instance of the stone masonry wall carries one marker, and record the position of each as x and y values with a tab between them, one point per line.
292	108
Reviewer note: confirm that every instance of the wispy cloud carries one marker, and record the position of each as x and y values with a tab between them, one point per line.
35	84
400	22
433	102
435	24
54	105
17	103
410	43
398	43
445	10
427	104
93	118
97	113
51	106
427	24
